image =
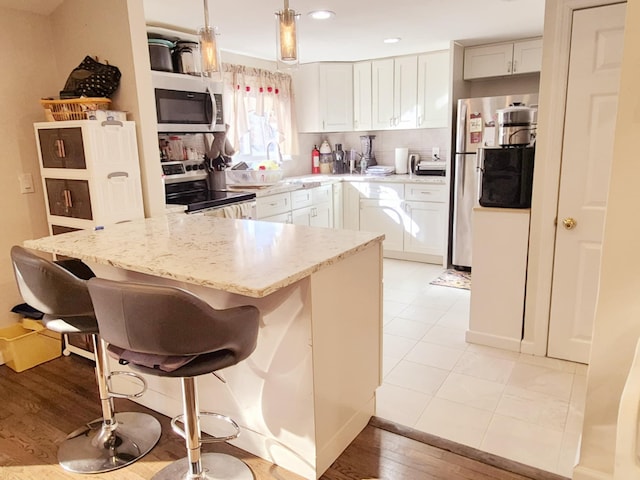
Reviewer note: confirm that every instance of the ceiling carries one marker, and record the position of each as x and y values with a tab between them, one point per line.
355	33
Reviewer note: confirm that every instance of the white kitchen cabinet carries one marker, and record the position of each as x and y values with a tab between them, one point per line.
324	97
502	59
500	246
381	210
425	206
394	88
413	217
313	206
338	212
279	218
362	106
322	213
351	206
433	90
90	173
273	205
384	216
307	206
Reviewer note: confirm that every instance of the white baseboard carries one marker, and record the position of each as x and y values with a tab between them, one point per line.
495	341
584	473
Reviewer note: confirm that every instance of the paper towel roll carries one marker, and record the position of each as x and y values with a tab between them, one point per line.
402	160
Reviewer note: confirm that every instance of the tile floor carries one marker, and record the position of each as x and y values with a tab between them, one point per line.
517	406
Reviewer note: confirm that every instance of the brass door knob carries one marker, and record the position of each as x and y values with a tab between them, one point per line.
569	223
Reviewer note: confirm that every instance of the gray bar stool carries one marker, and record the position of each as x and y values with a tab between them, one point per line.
116	439
169	332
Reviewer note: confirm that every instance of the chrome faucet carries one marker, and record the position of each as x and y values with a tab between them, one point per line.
273	142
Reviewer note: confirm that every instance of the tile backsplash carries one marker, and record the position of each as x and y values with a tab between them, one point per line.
384	145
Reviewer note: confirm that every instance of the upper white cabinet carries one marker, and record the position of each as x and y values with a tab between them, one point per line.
324	97
433	90
362	107
394	85
502	59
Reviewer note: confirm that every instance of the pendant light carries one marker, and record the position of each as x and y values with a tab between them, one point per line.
211	64
286	37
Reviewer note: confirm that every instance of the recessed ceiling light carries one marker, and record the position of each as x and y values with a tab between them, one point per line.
392	40
322	14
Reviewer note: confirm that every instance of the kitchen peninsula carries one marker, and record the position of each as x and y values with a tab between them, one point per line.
309	387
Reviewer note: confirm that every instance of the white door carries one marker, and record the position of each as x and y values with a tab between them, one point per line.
590	117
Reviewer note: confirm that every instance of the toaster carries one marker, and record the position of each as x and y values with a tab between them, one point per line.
437	168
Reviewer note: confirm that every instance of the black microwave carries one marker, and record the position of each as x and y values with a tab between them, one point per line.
186	104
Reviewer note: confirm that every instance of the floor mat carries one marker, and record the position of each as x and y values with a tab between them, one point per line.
454	278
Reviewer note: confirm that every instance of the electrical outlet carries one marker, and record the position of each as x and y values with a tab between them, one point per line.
26	183
435	153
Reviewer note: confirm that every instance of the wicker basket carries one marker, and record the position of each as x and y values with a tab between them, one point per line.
73	108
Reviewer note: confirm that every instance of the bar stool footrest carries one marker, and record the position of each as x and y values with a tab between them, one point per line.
213	439
115	394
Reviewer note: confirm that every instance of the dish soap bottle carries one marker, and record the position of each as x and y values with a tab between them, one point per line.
315	160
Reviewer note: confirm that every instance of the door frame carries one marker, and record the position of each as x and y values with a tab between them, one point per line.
546	176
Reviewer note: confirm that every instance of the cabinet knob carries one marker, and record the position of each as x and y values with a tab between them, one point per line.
515	66
569	223
509	66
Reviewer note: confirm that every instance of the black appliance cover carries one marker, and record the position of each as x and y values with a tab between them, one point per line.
506	177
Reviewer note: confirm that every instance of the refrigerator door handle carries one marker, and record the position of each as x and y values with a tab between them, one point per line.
461	138
460	175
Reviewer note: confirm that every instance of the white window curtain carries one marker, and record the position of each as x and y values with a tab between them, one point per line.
259	107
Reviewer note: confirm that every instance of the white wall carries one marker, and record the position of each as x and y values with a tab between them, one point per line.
30	72
617	322
115	31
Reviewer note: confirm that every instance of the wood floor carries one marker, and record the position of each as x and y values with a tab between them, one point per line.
40	406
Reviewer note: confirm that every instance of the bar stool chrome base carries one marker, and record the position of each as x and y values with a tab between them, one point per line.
215	466
98	448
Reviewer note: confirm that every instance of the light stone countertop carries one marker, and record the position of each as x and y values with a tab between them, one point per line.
246	257
290	184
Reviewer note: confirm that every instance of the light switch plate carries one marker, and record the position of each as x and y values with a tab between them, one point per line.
26	183
435	152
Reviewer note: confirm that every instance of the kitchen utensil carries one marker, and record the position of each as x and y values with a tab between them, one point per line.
186	58
414	158
326	158
516	125
368	157
160	54
401	163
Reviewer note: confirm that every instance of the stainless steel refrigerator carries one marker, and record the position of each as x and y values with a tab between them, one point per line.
476	127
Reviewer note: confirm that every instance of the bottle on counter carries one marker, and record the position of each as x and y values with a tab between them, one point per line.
326	158
315	160
338	159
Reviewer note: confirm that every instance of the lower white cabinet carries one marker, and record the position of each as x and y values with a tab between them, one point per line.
500	240
384	216
308	206
413	218
273	205
338	213
425	231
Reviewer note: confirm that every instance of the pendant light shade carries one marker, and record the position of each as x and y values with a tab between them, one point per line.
286	36
209	51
